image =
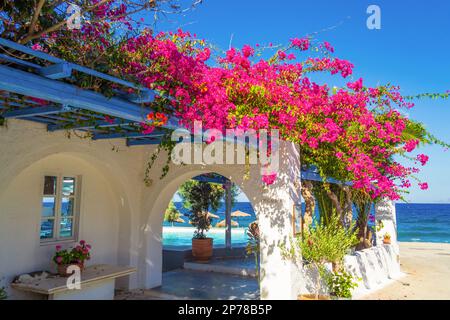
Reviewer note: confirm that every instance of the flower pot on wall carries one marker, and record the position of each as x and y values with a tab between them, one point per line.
386	241
202	249
62	268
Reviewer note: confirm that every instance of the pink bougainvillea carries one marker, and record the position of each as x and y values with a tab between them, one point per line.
352	133
423	159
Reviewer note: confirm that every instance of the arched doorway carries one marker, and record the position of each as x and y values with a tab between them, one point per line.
233	270
273	204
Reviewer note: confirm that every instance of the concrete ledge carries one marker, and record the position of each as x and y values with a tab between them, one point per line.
174	257
376	266
237	268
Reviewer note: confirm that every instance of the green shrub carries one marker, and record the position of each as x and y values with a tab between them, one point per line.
3	294
321	244
340	284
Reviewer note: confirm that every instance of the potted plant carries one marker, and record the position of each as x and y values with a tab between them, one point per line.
198	197
76	256
202	246
319	245
387	238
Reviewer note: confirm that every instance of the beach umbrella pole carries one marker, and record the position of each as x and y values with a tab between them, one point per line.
228	214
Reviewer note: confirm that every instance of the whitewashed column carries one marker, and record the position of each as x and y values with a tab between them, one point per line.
385	213
280	278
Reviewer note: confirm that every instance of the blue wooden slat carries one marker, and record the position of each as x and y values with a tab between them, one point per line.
203	178
28	84
126	135
56	71
98	124
23	63
41	120
33	111
142	142
45	56
314	176
141	97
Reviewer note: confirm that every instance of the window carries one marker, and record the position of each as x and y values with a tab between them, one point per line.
59	208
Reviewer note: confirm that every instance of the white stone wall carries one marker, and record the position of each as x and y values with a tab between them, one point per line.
122	217
111	184
375	267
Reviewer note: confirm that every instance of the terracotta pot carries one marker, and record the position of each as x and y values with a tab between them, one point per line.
62	268
202	249
312	296
387	241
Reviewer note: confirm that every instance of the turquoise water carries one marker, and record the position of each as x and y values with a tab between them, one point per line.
416	223
182	236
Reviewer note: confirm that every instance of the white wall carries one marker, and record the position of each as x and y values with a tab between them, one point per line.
20	206
111	185
121	217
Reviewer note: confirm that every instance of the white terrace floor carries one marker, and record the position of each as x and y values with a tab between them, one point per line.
222	279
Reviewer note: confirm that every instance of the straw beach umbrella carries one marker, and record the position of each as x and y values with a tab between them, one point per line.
212	215
179	220
209	215
238	214
223	223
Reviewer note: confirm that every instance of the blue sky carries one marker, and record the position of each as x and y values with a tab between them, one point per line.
411	49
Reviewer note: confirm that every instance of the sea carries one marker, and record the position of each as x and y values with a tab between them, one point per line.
417	222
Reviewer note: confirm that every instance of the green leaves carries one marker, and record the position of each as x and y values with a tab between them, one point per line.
329	242
340	284
3	294
198	197
444	95
172	214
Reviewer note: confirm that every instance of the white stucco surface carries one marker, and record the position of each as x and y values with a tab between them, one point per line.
120	216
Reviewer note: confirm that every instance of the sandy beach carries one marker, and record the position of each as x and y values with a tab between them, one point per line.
427	274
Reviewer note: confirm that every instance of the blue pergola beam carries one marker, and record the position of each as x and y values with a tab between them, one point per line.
19	62
28	84
56	71
33	111
142	142
314	176
203	178
73	66
119	135
98	124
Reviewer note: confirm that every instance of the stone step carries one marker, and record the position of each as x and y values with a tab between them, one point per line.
226	266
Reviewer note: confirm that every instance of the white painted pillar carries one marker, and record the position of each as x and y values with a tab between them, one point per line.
228	214
385	213
280	278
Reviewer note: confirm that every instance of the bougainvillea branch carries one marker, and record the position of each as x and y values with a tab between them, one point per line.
352	133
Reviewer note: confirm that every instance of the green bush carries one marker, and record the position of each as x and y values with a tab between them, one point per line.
3	294
340	284
321	244
172	214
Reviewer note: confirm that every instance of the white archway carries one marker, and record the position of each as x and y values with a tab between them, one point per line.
273	205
